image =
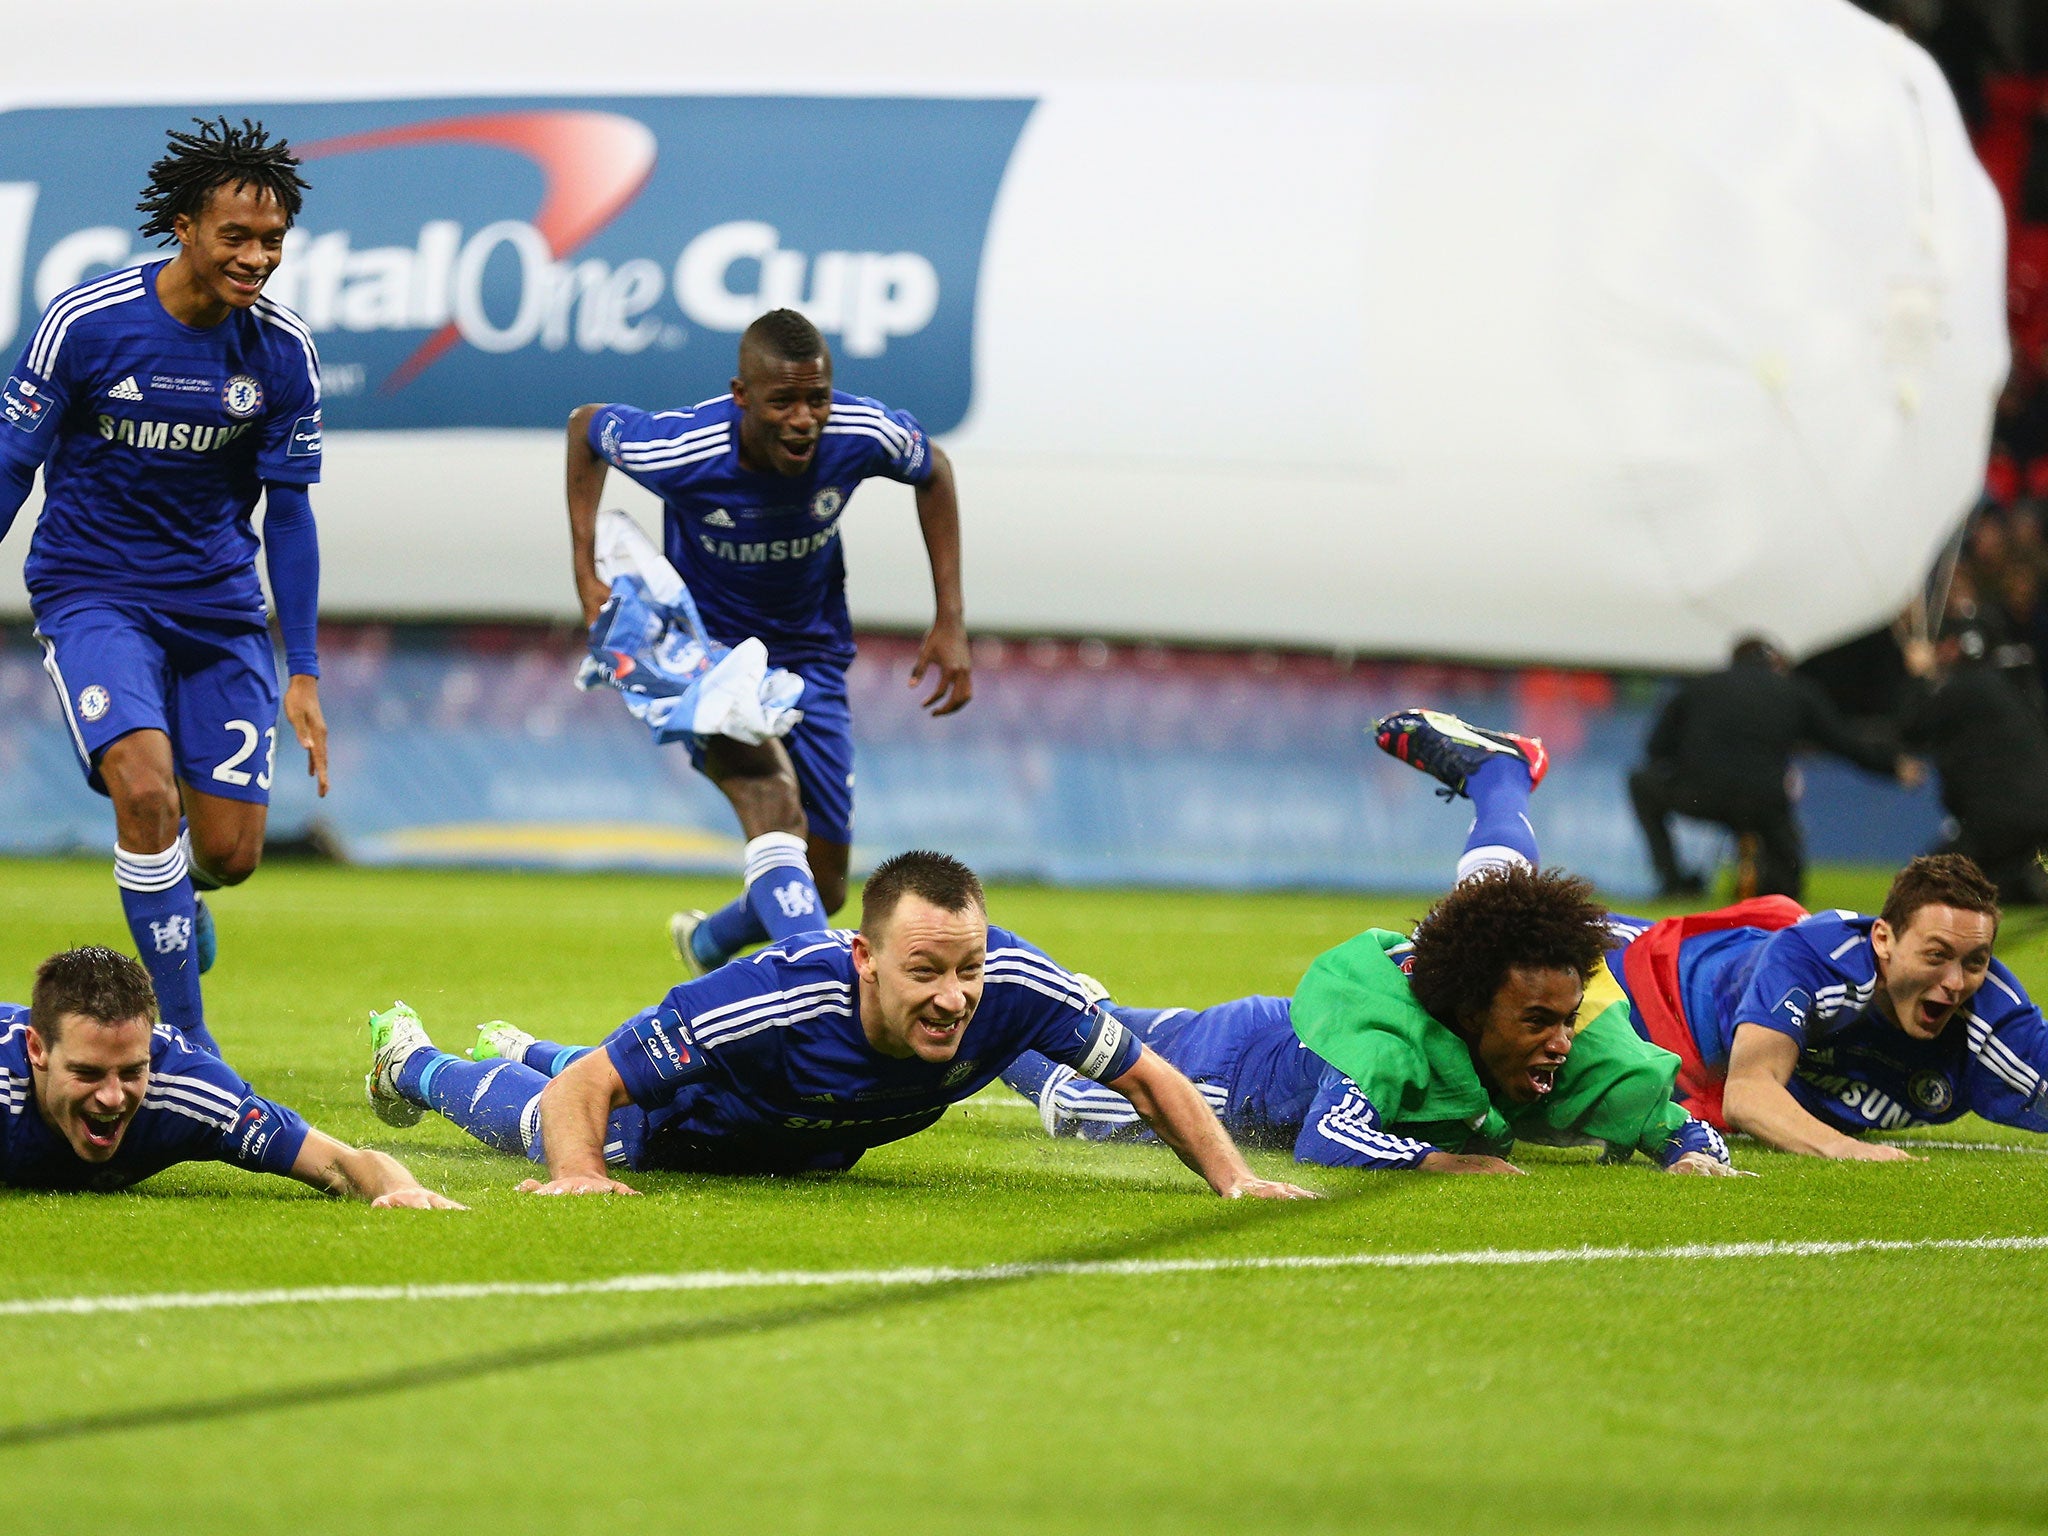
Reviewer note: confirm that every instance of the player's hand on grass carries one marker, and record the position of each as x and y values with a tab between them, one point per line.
945	647
1460	1162
1874	1152
577	1184
415	1199
1708	1167
302	709
1268	1189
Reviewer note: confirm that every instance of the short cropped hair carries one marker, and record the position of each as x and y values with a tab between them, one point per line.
785	335
938	878
94	982
1758	648
195	164
1466	944
1939	880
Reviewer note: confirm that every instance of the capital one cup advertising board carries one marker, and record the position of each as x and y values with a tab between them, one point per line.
1585	332
467	263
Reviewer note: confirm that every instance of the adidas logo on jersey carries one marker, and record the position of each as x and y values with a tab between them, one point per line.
719	518
127	389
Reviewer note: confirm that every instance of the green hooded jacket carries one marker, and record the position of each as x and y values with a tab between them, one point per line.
1355	1010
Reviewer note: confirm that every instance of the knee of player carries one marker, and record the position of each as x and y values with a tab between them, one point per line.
229	862
144	800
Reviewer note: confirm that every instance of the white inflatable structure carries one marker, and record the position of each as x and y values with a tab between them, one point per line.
1564	330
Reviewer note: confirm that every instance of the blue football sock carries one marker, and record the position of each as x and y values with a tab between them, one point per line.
1501	835
548	1058
411	1071
1070	1104
725	933
495	1101
157	899
780	889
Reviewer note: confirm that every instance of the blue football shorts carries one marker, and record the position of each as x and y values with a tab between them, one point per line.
821	750
209	684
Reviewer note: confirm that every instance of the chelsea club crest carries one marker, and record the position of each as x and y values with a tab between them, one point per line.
958	1073
242	396
826	504
1932	1091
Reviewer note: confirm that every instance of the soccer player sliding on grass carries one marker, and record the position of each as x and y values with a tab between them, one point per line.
1497	1021
1805	1032
96	1095
802	1056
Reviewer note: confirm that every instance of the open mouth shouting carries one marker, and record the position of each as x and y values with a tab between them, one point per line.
1932	1014
101	1133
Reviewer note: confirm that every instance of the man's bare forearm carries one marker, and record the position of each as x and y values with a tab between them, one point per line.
938	520
336	1168
585	485
1183	1120
574	1111
1768	1112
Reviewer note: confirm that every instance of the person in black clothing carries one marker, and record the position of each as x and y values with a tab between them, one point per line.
1991	750
1720	751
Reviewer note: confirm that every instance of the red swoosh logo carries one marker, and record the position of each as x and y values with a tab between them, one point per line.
592	164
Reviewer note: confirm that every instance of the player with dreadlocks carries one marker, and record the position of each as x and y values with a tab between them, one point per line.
160	402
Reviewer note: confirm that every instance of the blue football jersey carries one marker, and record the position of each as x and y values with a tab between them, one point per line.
196	1108
765	1055
155	440
1817	983
760	552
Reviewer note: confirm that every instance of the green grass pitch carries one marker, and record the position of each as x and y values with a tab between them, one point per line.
1890	1390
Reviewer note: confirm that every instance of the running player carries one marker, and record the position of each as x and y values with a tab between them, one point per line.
160	403
1497	1021
753	485
804	1055
95	1095
1806	1032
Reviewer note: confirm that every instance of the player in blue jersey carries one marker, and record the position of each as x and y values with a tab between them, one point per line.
95	1095
1808	1031
804	1055
1503	927
161	403
753	485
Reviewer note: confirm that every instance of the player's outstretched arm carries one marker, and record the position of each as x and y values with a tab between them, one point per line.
574	1110
945	643
336	1168
586	472
1757	1102
1183	1120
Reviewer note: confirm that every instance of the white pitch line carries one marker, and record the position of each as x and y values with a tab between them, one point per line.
1909	1144
770	1279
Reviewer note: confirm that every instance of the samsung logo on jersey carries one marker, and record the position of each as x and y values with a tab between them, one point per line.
769	550
475	263
174	436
